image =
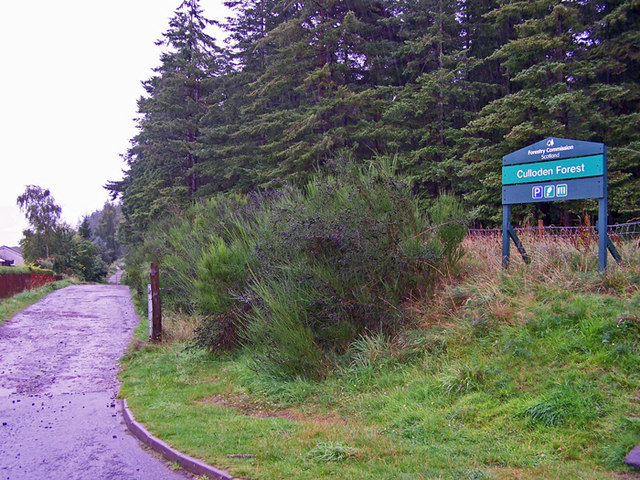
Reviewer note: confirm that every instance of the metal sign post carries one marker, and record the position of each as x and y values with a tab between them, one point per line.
556	169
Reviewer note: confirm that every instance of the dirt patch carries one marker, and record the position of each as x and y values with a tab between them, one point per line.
245	406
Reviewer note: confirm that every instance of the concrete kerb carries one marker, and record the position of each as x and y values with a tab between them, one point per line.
633	458
190	464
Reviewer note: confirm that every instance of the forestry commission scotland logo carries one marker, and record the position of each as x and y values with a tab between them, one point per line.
550	143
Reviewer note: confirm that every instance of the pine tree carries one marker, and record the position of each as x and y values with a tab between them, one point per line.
231	145
164	158
614	93
554	53
84	230
428	110
312	100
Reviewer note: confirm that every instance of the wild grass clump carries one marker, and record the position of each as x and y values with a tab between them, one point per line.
301	273
331	452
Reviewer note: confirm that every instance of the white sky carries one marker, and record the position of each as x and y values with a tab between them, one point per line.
70	76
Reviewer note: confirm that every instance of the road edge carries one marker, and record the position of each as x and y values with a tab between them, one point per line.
190	464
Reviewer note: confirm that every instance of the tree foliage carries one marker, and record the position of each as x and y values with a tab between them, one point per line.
447	88
55	245
42	213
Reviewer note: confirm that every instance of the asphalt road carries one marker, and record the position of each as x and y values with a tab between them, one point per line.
58	382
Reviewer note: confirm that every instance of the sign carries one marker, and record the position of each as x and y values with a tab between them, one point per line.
580	167
550	170
553	149
576	189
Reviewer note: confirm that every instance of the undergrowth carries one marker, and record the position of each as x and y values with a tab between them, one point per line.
527	373
295	276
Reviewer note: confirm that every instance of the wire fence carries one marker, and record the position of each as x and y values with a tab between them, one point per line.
622	232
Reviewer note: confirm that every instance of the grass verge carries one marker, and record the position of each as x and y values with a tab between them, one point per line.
530	373
12	305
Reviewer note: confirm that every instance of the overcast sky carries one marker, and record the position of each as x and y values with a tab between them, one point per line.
70	77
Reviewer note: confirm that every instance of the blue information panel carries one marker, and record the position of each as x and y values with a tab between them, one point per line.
576	189
580	167
553	149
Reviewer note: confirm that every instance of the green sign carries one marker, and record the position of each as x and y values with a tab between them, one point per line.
550	170
580	167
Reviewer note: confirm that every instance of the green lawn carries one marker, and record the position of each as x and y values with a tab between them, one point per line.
527	374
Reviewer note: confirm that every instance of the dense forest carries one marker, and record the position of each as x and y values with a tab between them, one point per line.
443	89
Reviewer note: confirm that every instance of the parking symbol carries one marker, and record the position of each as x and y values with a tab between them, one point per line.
562	190
549	191
536	192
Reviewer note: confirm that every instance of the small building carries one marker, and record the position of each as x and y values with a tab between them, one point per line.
10	256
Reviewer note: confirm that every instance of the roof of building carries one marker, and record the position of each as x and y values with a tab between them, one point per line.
11	253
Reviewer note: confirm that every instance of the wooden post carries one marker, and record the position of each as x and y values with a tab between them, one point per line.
540	228
149	311
156	315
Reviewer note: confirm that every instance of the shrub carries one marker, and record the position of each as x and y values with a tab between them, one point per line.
221	276
25	269
352	247
300	273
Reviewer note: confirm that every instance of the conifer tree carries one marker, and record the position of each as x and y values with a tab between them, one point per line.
555	61
164	158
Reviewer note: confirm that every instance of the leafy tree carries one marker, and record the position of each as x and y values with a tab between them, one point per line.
43	214
86	260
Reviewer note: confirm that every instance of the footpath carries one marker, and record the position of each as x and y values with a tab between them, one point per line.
59	416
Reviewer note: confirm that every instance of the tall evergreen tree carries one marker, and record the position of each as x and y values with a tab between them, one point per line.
555	61
446	87
164	158
614	91
429	109
310	100
84	230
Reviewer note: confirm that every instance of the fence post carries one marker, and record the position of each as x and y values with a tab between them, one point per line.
156	316
540	228
149	309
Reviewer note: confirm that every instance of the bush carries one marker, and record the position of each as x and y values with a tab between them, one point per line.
300	273
25	269
221	276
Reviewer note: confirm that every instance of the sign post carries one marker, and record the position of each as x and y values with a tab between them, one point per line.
556	169
149	311
156	315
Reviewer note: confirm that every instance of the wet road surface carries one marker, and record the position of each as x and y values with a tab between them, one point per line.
58	366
